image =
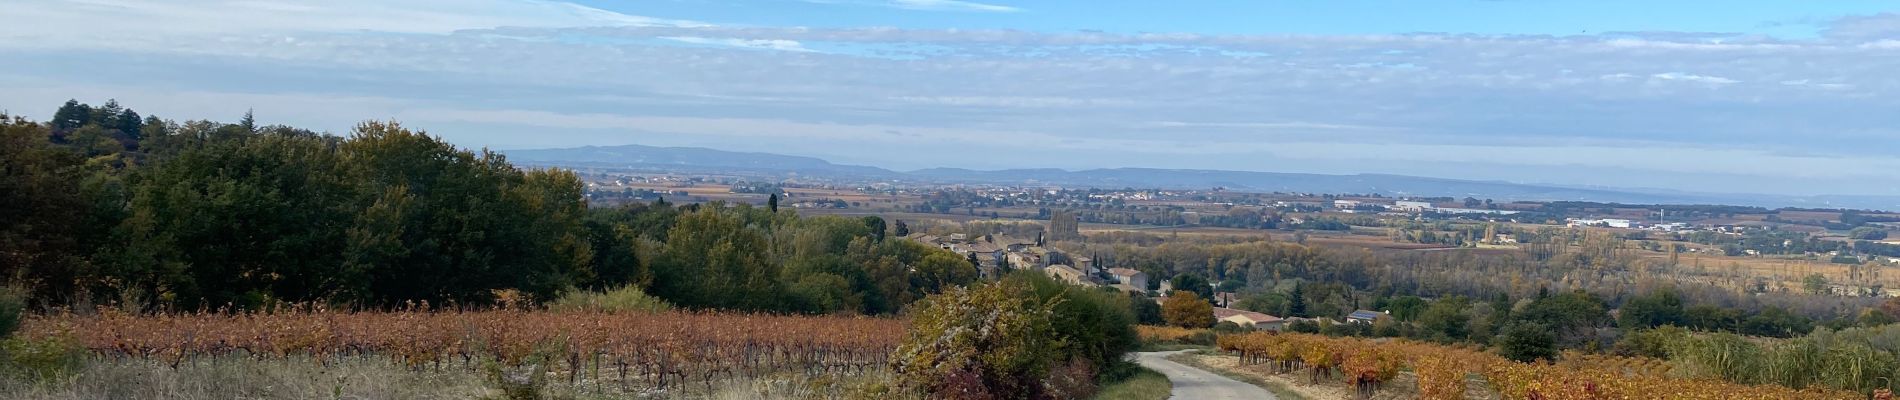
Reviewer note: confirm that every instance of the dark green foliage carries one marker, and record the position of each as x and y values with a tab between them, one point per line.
1146	310
1095	325
45	208
1445	319
1405	308
1526	341
1193	283
876	225
1654	343
105	206
1272	303
1303	326
1572	316
1296	302
1658	308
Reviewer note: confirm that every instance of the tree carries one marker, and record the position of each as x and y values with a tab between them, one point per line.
1814	284
1095	325
1867	233
876	224
1296	302
1193	283
249	122
902	230
47	210
771	203
1269	303
1445	319
1406	308
1659	308
1526	342
1146	310
1572	316
70	116
1187	310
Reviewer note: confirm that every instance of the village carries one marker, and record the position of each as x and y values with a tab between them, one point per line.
996	254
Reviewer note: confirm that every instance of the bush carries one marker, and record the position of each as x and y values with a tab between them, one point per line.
994	341
40	358
1096	325
1650	342
1187	310
1303	326
1526	342
624	299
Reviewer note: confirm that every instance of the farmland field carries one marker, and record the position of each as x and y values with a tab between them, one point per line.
627	352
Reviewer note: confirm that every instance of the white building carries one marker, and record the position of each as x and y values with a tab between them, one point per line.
1412	206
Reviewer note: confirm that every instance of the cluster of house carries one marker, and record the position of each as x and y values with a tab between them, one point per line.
993	251
1261	321
996	251
1629	224
1415	207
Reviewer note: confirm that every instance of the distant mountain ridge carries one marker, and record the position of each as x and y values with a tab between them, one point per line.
690	157
698	159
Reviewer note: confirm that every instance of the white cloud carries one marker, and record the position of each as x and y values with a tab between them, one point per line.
129	23
928	5
514	73
1678	76
766	44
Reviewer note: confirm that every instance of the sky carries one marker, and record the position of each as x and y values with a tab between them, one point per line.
1772	97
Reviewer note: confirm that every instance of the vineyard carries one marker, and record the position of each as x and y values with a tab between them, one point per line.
1442	371
625	351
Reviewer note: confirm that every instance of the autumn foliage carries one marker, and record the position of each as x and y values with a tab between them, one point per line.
1187	310
627	349
1442	371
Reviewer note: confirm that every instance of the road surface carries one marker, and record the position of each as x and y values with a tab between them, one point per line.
1195	383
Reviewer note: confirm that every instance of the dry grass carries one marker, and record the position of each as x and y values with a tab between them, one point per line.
245	378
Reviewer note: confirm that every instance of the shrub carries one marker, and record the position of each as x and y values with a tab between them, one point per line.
1527	341
1653	343
40	358
1228	327
993	341
1095	325
625	299
1187	310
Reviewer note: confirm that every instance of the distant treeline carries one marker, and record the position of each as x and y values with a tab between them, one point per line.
103	206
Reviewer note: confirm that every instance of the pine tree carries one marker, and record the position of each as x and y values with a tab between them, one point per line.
1296	304
249	122
772	203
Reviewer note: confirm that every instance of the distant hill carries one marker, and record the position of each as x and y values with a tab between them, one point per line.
691	158
695	159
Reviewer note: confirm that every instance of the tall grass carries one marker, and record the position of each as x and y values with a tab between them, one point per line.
1857	359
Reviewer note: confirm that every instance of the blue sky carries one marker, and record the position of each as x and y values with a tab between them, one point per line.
1541	17
1734	96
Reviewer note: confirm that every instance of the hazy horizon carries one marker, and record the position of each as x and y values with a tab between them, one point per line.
1696	96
